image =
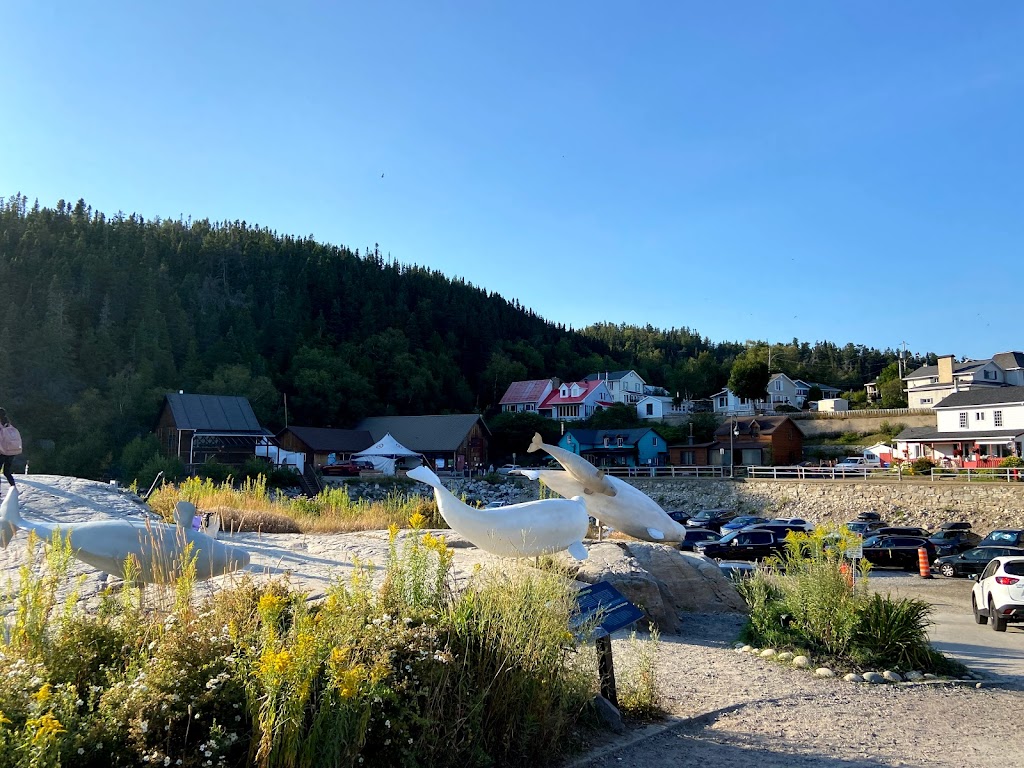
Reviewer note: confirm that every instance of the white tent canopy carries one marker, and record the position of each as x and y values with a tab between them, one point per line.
384	453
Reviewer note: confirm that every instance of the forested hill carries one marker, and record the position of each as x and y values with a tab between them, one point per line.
103	315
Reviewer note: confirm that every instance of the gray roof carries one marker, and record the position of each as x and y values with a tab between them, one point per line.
927	371
610	376
766	425
1009	360
932	435
984	396
325	440
423	434
213	413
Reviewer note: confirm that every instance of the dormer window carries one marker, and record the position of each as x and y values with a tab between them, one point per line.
606	441
563	391
618	441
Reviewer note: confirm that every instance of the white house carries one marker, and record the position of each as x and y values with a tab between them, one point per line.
726	402
974	428
928	385
575	400
782	390
526	396
623	386
661	407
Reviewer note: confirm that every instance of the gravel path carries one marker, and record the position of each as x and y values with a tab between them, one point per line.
734	710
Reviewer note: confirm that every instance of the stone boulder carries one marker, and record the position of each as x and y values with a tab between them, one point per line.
662	581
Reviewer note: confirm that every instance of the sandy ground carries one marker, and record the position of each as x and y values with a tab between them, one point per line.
726	709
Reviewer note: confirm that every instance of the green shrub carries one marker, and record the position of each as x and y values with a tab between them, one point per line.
638	690
893	632
923	466
1012	462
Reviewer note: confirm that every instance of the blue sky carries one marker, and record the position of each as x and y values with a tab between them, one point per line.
849	171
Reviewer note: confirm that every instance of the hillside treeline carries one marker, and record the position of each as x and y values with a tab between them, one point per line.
101	316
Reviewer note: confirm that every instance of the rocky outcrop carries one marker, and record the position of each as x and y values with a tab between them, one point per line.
662	581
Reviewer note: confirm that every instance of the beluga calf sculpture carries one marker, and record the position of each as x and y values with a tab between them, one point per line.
590	478
630	511
518	530
158	548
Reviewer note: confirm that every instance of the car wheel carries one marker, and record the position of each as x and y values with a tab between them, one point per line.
998	624
947	569
979	617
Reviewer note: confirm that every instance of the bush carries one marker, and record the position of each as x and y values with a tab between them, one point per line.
1012	462
923	466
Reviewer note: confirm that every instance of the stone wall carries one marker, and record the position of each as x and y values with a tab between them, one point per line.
850	421
985	505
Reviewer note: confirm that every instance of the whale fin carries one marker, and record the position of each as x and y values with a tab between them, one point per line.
529	474
424	475
184	514
10	518
536	444
578	551
654	533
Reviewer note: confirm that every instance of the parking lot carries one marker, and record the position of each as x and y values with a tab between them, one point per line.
954	631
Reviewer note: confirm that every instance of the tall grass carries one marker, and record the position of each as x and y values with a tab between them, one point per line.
252	507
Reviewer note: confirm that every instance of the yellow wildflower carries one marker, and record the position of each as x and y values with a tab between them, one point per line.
272	663
45	726
271	605
417	521
393	532
349	681
43	694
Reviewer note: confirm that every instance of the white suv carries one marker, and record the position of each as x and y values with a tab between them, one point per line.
860	462
999	593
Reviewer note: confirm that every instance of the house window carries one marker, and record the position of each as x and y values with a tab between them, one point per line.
963	419
618	441
979	415
926	401
650	409
997	418
688	457
778	385
990	375
721	402
933	380
529	406
655	442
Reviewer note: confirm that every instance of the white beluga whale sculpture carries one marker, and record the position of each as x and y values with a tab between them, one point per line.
518	530
630	511
158	548
590	478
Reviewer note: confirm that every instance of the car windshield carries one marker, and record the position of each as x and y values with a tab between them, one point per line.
944	535
1002	536
728	537
747	520
873	541
701	536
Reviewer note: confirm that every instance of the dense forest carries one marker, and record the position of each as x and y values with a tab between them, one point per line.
104	315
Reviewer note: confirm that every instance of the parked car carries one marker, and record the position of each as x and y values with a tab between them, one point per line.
1006	537
899	530
795	523
755	544
711	518
737	570
864	528
871	515
858	464
507	469
998	595
695	536
742	522
896	551
679	515
952	541
973	560
350	468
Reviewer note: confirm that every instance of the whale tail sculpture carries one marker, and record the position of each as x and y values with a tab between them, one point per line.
10	518
590	477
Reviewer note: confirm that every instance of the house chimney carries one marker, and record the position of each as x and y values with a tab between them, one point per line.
946	369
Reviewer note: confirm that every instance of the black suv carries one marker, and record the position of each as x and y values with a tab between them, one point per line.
711	518
755	544
897	551
953	541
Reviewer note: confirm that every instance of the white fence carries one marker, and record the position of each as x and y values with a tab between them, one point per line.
681	472
1009	475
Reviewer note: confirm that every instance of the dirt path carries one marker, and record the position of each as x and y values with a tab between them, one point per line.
734	710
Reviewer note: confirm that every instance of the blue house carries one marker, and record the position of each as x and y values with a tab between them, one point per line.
640	447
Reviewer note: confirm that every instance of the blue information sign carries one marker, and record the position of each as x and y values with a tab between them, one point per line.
607	606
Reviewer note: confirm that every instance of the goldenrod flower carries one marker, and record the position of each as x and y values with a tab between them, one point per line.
45	726
43	694
393	532
417	521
